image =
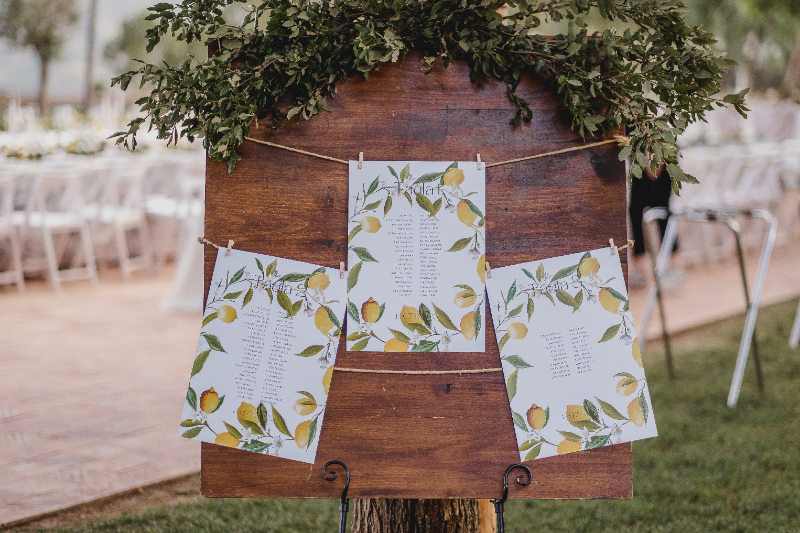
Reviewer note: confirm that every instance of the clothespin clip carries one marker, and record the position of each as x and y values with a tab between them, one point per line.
341	269
230	246
488	270
480	165
360	159
613	248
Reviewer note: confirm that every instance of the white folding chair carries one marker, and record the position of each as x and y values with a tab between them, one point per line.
8	232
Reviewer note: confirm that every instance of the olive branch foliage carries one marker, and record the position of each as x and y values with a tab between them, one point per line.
285	59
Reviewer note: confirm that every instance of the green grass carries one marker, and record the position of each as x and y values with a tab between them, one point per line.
711	468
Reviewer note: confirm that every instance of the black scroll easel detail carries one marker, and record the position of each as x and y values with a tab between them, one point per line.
499	504
344	503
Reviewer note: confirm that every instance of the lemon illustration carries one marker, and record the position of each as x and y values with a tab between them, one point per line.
326	380
304	406
517	330
636	352
301	434
322	321
627	390
576	413
468	326
482	268
410	315
395	345
465	299
226	439
370	224
536	417
226	313
635	413
454	176
371	311
209	400
319	281
589	267
568	446
609	301
247	412
465	214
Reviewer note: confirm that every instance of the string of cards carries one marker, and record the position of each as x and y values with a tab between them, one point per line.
417	283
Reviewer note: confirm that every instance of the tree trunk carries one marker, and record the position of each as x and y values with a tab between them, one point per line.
90	40
423	516
791	81
44	74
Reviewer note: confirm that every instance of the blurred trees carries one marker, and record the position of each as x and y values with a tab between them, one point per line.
41	25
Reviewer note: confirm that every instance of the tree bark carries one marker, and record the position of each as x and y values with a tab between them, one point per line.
44	74
90	44
423	516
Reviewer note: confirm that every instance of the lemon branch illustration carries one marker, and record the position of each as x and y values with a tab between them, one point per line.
371	312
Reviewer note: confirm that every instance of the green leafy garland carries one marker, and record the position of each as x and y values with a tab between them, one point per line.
656	77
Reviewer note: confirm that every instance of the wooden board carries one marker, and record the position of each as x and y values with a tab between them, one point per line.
404	436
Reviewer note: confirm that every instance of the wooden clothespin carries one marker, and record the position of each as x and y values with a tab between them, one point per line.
480	165
360	159
613	248
230	246
488	270
341	269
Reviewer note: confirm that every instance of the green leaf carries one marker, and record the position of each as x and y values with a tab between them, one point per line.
352	277
399	335
312	350
261	411
519	421
528	274
352	312
332	317
460	244
443	318
437	205
566	298
474	208
534	453
404	172
427	178
189	423
269	292
294	277
598	441
570	436
279	422
353	233
503	342
425	313
585	424
408	197
591	410
199	361
219	404
312	431
373	205
540	272
364	254
374	185
609	410
514	312
208	319
424	346
477	323
235	433
624	375
511	385
252	426
610	333
271	268
516	361
549	297
424	203
309	396
233	295
530	308
564	272
285	303
643	405
255	446
296	307
360	345
386	206
192	433
419	328
528	444
358	335
512	291
236	277
213	342
247	298
259	265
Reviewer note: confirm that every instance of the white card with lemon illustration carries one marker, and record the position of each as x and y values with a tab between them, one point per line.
416	244
570	356
265	357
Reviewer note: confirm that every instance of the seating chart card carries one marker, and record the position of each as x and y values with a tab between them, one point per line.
416	257
265	356
570	355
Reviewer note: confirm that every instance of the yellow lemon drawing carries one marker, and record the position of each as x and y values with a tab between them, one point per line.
226	439
465	214
370	224
410	315
454	176
568	446
609	301
301	434
395	345
482	268
322	321
468	326
247	412
371	311
304	406
209	400
326	380
517	330
635	413
226	313
626	389
536	417
319	281
465	299
636	352
576	413
589	266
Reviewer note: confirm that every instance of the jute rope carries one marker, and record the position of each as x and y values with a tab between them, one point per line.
418	372
618	139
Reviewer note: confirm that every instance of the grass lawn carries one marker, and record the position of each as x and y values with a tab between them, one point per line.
710	469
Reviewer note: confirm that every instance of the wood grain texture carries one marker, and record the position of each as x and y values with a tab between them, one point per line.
403	436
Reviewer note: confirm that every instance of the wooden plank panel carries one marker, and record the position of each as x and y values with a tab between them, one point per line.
404	436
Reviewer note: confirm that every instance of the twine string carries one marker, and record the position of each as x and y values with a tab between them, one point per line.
417	372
